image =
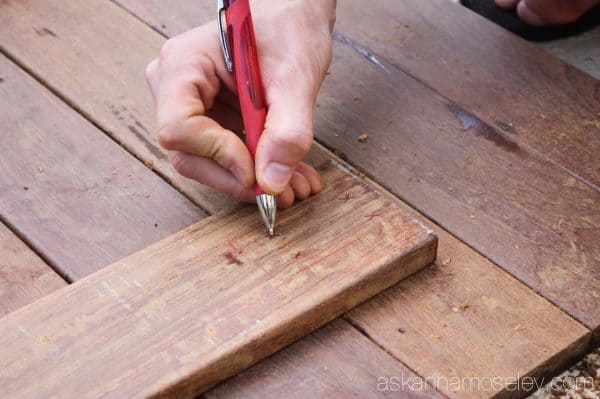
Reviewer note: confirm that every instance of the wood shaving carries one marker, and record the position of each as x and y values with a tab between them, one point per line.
363	137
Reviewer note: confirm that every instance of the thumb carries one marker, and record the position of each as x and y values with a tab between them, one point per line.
286	140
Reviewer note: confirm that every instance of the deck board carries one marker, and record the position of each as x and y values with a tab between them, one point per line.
213	299
24	277
75	195
535	98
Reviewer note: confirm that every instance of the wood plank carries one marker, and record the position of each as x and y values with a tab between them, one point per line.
78	197
304	370
527	215
450	164
24	277
532	97
213	299
537	351
465	318
40	35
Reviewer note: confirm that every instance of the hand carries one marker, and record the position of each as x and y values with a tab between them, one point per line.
192	88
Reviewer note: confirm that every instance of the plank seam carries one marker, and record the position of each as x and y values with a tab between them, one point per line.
85	115
370	338
34	249
389	68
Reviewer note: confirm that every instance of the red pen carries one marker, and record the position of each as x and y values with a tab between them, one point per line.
239	50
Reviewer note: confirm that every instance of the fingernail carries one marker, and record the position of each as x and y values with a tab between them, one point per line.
277	175
238	173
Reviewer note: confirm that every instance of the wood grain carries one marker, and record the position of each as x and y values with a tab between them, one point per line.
324	365
534	98
495	187
537	350
515	207
77	196
212	299
24	277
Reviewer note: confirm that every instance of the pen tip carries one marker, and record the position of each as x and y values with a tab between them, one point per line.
267	205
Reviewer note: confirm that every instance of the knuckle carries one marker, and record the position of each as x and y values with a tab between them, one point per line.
297	140
169	136
169	49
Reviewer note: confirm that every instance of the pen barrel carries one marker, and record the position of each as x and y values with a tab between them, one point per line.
246	72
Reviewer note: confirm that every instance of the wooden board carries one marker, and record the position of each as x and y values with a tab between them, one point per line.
212	299
77	197
24	277
39	35
335	361
518	209
500	191
528	95
537	351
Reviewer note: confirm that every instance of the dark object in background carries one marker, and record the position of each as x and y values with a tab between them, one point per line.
509	20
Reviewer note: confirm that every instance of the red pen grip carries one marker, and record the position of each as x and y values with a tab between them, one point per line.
246	72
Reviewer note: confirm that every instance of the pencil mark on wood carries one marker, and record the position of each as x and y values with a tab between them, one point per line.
45	32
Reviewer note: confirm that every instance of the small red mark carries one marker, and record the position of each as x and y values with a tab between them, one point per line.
297	254
373	215
232	259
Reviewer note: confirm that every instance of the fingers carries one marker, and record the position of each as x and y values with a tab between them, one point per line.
183	92
304	181
207	171
287	138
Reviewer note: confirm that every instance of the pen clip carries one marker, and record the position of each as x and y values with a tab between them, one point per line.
223	34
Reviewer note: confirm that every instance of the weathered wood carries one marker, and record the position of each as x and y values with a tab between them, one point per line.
24	277
529	216
535	349
335	361
113	52
456	168
213	299
466	318
78	197
534	98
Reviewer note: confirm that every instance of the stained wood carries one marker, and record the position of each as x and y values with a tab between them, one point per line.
24	277
77	196
532	97
335	361
39	35
465	318
520	210
212	299
536	351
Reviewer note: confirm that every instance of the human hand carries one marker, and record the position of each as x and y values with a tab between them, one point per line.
189	80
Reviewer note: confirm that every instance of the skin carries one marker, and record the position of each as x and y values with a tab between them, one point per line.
548	12
197	112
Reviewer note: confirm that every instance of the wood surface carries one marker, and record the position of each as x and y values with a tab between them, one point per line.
112	52
324	365
77	197
532	218
536	350
198	306
24	277
502	190
525	93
